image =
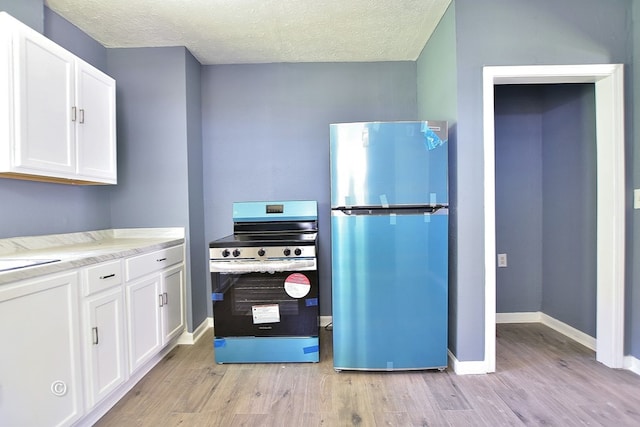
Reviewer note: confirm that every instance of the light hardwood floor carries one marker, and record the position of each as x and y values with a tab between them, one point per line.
542	378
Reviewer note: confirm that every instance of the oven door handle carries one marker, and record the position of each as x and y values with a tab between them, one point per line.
240	267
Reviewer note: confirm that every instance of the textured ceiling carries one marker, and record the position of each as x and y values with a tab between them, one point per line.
261	31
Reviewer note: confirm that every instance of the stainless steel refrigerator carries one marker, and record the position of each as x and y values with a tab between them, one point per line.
389	245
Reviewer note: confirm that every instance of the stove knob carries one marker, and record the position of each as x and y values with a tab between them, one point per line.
287	252
261	252
225	253
236	253
298	251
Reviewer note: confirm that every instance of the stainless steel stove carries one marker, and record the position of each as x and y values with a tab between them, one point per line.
265	284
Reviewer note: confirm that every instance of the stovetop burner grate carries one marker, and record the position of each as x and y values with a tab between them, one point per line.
267	239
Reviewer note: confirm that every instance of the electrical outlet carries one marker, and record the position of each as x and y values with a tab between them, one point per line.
502	260
636	198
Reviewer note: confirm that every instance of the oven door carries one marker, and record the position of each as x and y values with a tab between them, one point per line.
261	304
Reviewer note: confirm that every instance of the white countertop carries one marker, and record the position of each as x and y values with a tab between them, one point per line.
76	250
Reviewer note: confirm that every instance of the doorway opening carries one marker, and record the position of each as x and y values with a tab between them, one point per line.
610	221
545	139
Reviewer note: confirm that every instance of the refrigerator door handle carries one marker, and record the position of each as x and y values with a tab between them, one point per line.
397	210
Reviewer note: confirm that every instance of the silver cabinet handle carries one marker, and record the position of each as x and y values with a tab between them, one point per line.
95	335
108	276
81	115
73	114
164	299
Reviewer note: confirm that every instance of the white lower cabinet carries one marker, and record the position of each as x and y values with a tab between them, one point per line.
173	316
106	354
155	302
40	359
143	310
76	342
104	331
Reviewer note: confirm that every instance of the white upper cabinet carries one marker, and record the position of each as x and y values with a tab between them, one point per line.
44	95
57	112
96	124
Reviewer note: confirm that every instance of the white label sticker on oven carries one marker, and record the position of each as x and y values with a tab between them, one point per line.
297	285
266	313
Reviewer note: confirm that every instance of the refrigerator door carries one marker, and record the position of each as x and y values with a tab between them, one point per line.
388	163
390	290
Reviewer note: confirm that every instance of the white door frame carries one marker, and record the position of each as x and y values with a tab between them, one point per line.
609	92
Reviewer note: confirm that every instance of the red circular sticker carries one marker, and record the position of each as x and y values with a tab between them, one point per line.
297	285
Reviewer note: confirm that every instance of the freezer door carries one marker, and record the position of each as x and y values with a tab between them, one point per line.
389	291
389	163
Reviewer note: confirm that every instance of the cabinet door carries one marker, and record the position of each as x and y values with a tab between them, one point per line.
96	124
44	102
105	344
40	363
144	328
6	92
173	303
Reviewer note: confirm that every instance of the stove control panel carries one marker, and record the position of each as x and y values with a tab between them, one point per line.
258	253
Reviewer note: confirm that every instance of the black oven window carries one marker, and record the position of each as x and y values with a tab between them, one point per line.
256	290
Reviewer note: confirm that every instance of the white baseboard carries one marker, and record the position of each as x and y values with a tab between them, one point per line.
632	364
523	317
569	331
555	324
474	367
190	338
325	320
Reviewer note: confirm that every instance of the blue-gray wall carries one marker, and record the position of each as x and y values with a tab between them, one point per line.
198	299
518	148
158	150
632	324
501	32
436	72
74	40
152	137
437	99
570	32
266	133
33	208
569	205
546	201
30	12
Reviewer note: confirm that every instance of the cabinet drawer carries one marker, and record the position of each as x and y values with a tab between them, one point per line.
154	261
102	276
